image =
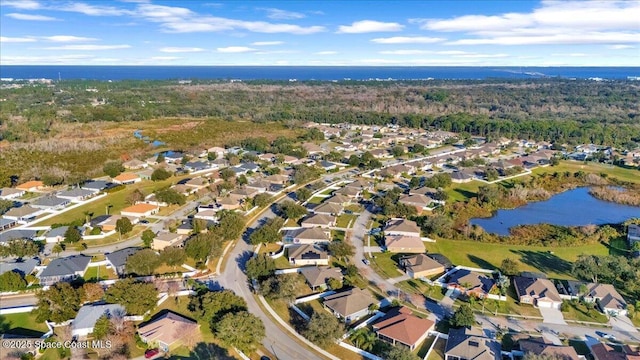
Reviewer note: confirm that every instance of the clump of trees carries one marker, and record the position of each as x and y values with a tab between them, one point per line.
269	232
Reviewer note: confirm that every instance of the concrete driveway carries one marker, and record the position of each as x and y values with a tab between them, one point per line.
622	323
552	316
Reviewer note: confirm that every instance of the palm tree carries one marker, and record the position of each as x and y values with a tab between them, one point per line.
364	339
57	249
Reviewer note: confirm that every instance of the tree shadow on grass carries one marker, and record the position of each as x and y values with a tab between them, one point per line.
466	193
481	262
206	351
544	261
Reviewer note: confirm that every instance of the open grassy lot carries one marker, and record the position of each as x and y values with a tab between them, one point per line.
98	273
386	265
345	220
464	191
511	306
22	323
416	286
631	175
315	200
555	262
579	312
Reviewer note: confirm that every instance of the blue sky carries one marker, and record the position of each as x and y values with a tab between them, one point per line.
355	32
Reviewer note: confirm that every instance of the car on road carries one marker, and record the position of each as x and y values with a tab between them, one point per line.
143	221
366	262
151	353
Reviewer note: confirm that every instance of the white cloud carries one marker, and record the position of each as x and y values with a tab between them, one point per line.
30	17
267	43
571	54
5	39
279	14
553	22
369	26
621	47
72	59
181	49
67	38
235	49
22	4
165	58
88	47
405	52
328	52
93	10
407	40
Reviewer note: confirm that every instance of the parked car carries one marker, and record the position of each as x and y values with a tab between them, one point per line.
365	261
151	353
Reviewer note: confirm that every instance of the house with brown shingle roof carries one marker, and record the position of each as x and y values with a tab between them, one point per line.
328	209
537	292
318	276
306	236
403	244
402	227
418	201
539	346
318	220
400	327
349	305
607	297
472	283
471	344
338	199
349	191
420	266
303	255
601	351
167	330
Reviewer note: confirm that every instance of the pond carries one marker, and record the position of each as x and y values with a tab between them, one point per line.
570	208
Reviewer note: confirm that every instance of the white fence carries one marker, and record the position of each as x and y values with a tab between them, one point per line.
496	297
313	297
101	236
16	310
300	312
361	352
99	263
287	271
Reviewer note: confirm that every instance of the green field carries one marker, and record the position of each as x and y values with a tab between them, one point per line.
579	312
345	219
385	265
315	200
555	262
464	191
631	175
22	323
97	273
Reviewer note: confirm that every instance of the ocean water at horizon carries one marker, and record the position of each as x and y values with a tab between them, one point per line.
324	73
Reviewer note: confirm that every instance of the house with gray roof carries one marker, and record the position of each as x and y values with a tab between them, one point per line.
11	193
55	235
64	269
6	224
50	203
89	314
317	276
118	259
17	234
97	185
349	305
76	194
22	214
23	267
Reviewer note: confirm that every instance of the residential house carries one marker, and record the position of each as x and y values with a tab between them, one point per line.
11	193
400	327
134	164
209	213
22	214
31	186
96	185
277	179
327	165
328	209
184	189
318	220
349	305
64	269
108	222
89	314
167	239
199	165
306	236
318	276
472	283
167	330
173	156
460	177
216	150
425	190
259	186
117	260
17	234
55	235
403	244
360	184
348	191
140	210
633	234
539	346
537	292
50	202
76	194
23	267
312	148
338	199
381	154
126	178
607	297
402	227
471	344
396	171
19	346
418	201
602	351
420	266
303	255
229	202
151	199
244	192
6	224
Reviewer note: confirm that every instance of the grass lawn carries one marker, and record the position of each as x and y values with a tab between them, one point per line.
311	307
356	208
386	265
165	269
337	235
315	200
618	172
579	312
438	350
104	273
464	191
555	262
345	220
422	350
268	248
282	263
290	223
22	323
326	192
420	287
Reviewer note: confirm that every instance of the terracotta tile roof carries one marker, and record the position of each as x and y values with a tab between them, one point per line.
402	325
126	177
30	184
139	208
